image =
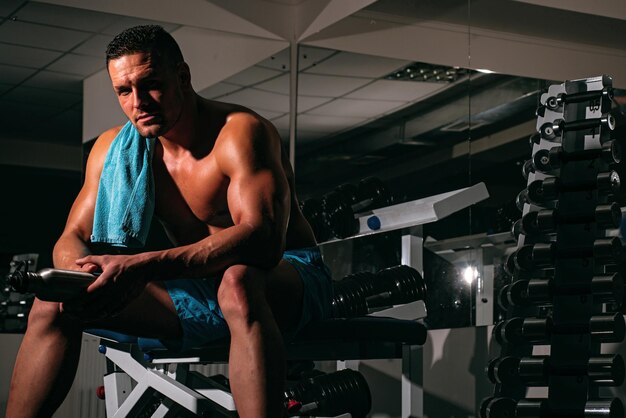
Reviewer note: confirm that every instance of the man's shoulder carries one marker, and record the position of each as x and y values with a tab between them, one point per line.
103	142
100	149
246	121
110	134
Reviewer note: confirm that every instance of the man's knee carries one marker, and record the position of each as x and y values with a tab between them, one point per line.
241	288
44	315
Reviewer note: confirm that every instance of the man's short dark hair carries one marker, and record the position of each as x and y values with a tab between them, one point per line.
152	39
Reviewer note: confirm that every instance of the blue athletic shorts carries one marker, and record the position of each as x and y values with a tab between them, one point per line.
202	320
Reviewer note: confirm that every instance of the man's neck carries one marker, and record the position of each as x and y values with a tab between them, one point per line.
187	132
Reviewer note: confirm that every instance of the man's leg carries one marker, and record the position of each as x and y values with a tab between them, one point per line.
250	300
47	360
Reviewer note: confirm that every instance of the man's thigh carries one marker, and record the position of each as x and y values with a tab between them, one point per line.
151	314
285	294
300	289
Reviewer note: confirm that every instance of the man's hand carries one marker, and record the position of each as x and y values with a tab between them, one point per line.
122	279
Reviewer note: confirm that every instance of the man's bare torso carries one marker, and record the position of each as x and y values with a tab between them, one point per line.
191	189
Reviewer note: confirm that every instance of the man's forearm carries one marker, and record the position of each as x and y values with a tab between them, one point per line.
67	250
239	244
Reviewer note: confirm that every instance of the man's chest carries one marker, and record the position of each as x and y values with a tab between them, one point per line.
191	194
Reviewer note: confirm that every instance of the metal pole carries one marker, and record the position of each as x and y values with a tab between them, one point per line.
293	100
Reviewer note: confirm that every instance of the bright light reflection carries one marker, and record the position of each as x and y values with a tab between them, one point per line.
470	273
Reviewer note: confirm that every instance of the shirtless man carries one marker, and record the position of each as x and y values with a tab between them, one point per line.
224	193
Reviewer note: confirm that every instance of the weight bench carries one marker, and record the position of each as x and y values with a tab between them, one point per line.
144	379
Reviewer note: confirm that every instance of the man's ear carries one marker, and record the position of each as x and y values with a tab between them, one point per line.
184	75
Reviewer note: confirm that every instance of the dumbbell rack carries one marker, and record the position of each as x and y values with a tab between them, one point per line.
564	282
409	217
14	307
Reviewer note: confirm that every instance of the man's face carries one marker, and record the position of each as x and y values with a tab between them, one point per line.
150	94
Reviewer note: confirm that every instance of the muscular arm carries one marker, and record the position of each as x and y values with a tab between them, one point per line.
248	153
73	242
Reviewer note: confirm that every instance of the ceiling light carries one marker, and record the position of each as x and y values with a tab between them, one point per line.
485	71
418	71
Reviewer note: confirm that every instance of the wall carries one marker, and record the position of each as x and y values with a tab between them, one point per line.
36	202
81	401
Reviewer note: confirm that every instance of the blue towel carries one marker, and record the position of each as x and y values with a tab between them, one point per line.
125	202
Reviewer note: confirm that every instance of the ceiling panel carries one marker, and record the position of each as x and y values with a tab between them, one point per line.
322	124
253	75
307	102
42	97
14	75
9	6
357	65
68	17
315	85
396	90
356	108
279	61
124	22
95	46
311	56
308	56
26	56
259	100
58	81
268	114
82	65
278	85
218	90
40	36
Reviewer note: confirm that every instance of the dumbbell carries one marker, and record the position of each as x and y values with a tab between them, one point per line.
350	294
604	250
552	130
313	211
539	292
523	330
527	168
604	408
529	371
341	205
602	328
501	407
597	408
546	220
536	408
604	96
498	407
546	160
400	284
518	293
542	191
356	294
602	370
605	370
333	394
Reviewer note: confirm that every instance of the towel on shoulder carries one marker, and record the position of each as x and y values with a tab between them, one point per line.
125	202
